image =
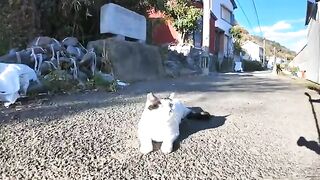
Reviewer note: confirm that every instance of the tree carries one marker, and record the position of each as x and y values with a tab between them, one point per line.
183	15
238	33
21	21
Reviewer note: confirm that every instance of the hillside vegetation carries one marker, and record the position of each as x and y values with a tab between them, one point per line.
241	35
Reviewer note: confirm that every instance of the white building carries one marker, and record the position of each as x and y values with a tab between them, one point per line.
271	60
308	59
223	10
253	51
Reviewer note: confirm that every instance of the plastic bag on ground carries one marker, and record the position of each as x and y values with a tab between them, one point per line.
238	67
14	81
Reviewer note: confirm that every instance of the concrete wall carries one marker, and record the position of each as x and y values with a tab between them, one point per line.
121	21
309	58
313	64
301	59
132	61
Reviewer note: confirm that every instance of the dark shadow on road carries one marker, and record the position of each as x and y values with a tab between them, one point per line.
311	101
191	126
212	83
312	145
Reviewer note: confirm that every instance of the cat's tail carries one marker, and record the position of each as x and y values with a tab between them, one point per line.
203	115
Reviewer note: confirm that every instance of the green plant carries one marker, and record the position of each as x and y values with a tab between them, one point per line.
22	21
101	83
98	82
183	15
59	81
238	33
294	70
252	65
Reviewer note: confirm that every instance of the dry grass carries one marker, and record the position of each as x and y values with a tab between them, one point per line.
304	82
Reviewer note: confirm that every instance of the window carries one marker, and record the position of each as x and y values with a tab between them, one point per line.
226	14
261	53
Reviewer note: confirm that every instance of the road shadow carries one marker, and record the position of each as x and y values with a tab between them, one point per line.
311	101
312	145
193	126
213	83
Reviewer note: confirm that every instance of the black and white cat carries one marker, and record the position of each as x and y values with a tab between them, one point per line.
160	122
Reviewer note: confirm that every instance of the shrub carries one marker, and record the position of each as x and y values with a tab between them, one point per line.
252	65
101	82
294	70
59	81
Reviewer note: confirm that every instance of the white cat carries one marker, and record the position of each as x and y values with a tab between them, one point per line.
160	122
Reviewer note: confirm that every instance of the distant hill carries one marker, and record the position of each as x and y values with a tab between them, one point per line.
282	51
241	35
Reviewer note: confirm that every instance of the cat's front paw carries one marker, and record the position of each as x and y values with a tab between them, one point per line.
146	149
166	148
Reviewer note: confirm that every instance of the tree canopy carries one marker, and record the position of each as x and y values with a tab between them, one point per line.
21	21
183	15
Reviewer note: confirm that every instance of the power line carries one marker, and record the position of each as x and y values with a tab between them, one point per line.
245	14
256	12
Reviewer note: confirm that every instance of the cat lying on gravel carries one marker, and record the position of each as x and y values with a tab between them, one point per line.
160	122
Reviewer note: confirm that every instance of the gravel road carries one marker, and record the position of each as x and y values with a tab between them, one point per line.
258	119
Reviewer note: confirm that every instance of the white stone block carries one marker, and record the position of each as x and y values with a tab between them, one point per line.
121	21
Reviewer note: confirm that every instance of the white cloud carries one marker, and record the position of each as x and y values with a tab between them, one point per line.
301	20
285	36
298	45
281	25
283	33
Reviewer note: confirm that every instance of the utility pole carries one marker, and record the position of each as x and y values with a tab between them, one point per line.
274	68
264	52
205	58
206	25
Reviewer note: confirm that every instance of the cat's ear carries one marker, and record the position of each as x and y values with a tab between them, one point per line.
151	97
171	96
152	101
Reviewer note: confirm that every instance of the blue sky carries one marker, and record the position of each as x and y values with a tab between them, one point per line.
280	20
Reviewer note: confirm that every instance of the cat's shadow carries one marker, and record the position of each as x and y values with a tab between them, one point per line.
191	126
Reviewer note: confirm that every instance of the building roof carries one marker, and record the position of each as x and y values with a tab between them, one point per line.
212	15
232	1
312	9
234	4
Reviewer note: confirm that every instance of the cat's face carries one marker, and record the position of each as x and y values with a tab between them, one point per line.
163	105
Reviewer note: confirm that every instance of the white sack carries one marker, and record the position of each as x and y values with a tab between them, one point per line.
14	81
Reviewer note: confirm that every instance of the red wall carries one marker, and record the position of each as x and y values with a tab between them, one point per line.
162	33
165	33
212	34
